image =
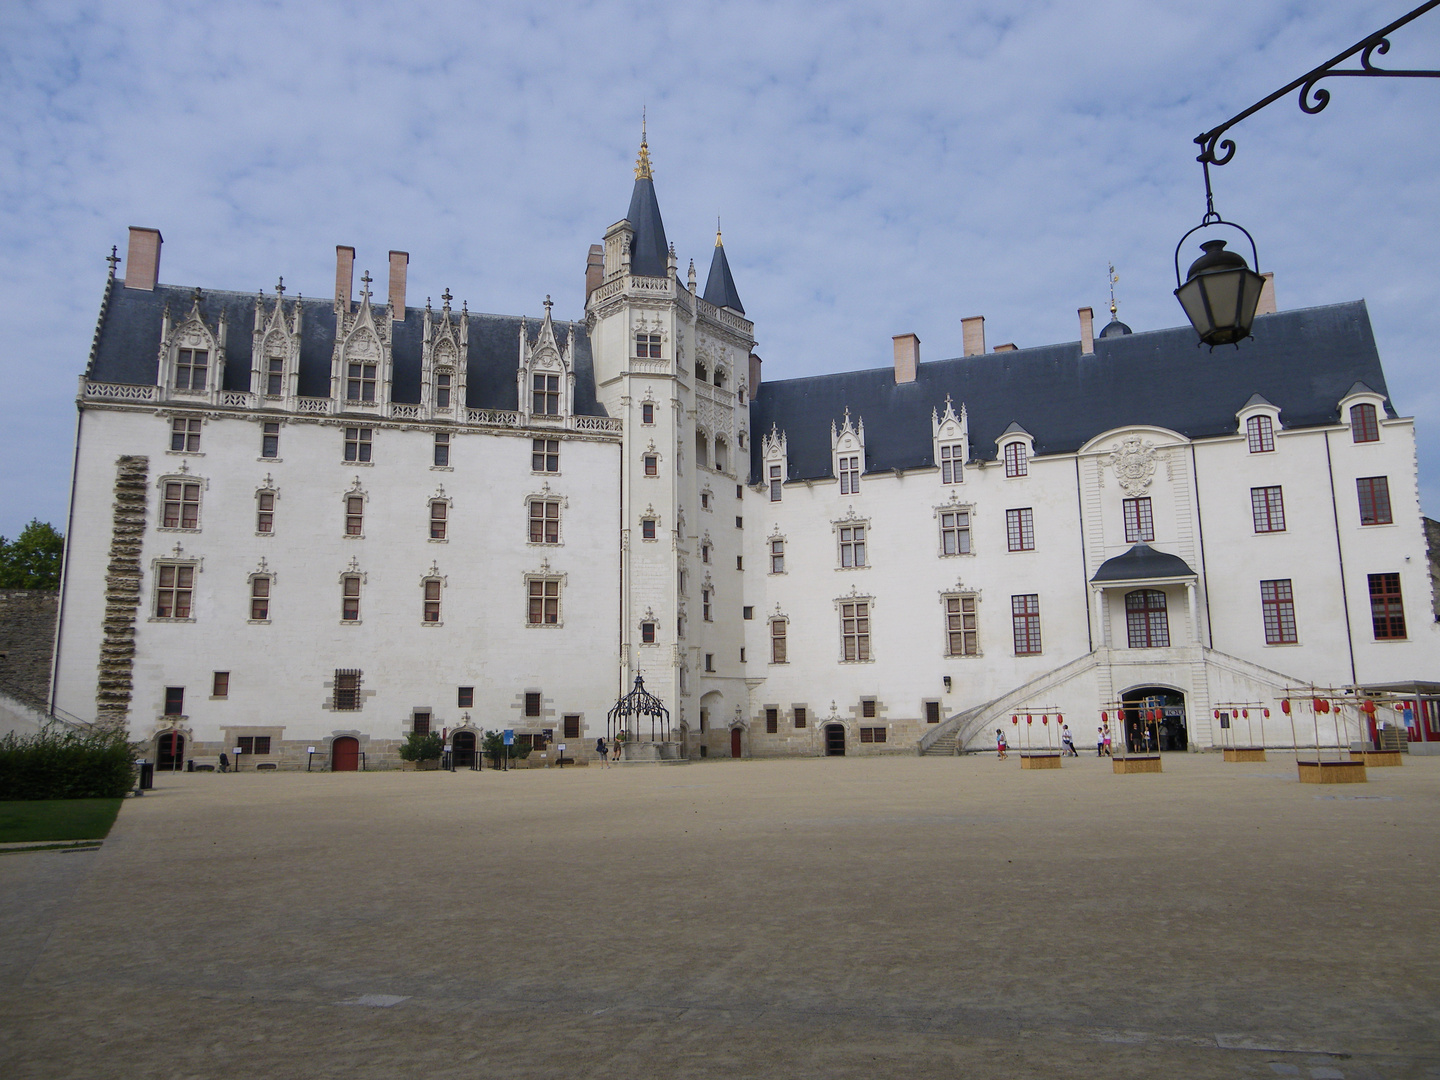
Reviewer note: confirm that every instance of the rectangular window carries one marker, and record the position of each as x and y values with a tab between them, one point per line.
800	717
647	528
647	633
1020	529
1139	521
1277	603
274	377
190	367
1363	425
777	556
955	532
182	505
1374	500
442	390
932	712
264	511
571	726
778	630
174	585
1025	616
465	697
710	662
432	600
647	346
704	553
442	450
439	519
544	602
952	465
1147	620
855	630
270	439
1015	461
1268	506
850	475
872	734
747	612
260	598
174	701
739	522
220	684
775	483
961	628
355	515
347	691
705	605
867	708
357	443
544	522
360	383
852	545
545	455
647	413
420	723
652	465
253	744
1261	434
1387	611
739	562
545	395
350	598
185	435
532	703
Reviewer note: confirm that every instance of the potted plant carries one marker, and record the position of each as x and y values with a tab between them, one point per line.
422	751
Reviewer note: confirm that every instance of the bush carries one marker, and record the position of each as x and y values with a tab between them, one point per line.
417	747
66	765
493	746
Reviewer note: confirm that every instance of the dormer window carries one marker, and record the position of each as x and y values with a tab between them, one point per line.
850	474
952	463
1016	463
190	368
1363	424
1260	432
275	377
545	400
360	383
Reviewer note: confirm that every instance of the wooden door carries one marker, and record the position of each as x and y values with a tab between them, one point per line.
834	740
345	754
463	749
735	742
170	751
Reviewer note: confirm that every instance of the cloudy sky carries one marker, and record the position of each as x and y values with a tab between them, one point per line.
879	168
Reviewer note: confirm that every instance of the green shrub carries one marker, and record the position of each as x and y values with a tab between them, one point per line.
417	747
67	764
493	746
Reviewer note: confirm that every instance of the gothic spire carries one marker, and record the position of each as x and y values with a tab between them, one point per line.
649	250
720	286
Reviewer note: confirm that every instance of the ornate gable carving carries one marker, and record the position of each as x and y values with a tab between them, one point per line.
1133	460
444	353
545	356
361	339
193	334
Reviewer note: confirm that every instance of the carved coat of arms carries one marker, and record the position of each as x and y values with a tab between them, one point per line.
1134	464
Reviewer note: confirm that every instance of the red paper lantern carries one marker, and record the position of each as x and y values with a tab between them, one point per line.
1059	718
1245	713
1014	720
1029	719
1234	714
1285	706
1369	706
1217	714
1267	712
1044	719
1104	716
1399	707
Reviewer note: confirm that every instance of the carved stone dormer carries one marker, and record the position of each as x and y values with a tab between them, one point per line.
192	355
275	356
444	352
361	367
847	453
951	435
545	380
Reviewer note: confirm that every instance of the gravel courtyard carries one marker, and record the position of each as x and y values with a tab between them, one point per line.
883	917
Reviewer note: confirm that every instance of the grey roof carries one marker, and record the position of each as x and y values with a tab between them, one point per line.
127	346
1114	327
1256	399
720	286
1302	360
1143	563
649	251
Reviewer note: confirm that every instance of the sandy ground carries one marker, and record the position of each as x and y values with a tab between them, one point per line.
894	917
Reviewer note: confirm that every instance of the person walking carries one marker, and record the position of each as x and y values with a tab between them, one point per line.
1000	744
1106	737
603	751
1099	742
1067	741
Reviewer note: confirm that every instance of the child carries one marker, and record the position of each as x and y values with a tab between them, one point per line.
1000	744
1099	742
1107	740
1068	742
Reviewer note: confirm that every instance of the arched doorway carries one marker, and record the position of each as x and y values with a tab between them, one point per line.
462	749
736	744
1171	726
345	754
834	740
170	751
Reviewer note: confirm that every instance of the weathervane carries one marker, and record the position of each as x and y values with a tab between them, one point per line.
1114	278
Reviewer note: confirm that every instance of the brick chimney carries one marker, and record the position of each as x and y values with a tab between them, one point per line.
1267	295
594	270
142	259
344	273
399	262
755	363
973	330
1087	331
907	357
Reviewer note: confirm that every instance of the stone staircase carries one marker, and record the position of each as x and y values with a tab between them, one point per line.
943	746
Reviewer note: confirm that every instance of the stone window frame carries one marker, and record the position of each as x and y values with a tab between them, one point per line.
177	561
182	477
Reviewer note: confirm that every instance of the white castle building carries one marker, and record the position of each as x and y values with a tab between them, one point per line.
303	523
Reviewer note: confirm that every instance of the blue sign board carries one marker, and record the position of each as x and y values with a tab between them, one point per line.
509	737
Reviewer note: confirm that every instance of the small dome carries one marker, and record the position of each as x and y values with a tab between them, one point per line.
1114	328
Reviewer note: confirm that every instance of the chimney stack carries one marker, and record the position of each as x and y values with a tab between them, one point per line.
344	274
1267	296
1087	331
142	259
1008	347
399	261
755	362
594	270
973	330
907	357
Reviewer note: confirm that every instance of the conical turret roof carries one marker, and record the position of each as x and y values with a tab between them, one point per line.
720	286
649	250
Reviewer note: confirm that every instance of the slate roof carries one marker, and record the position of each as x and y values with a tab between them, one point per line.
127	345
720	286
649	251
1143	563
1302	360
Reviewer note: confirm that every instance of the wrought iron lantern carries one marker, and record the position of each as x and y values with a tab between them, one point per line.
1220	292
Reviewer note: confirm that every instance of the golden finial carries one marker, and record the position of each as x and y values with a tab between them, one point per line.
717	231
1114	277
642	164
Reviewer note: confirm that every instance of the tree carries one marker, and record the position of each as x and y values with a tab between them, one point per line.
32	561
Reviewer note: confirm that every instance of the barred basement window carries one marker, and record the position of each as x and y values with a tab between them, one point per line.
190	365
850	474
1139	520
346	697
439	519
544	522
772	721
1015	462
1020	529
932	712
442	450
350	598
185	435
544	602
1025	620
572	726
800	717
872	734
360	383
420	723
432	600
1267	504
855	631
253	744
260	598
270	439
1261	434
182	505
779	628
1277	604
274	377
952	464
357	443
955	532
1363	425
545	455
174	585
1374	494
1387	611
961	627
355	515
465	697
545	395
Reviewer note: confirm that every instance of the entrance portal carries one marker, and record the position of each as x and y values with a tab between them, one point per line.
834	740
345	754
170	751
462	747
735	745
1169	727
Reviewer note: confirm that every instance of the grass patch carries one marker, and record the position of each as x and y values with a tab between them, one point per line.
57	819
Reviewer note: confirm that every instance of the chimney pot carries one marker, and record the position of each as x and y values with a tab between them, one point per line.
142	259
973	333
1087	331
399	261
1267	296
907	357
344	273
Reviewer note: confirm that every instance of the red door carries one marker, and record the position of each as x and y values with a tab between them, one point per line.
345	754
735	742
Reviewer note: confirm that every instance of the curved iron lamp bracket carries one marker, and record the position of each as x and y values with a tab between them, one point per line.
1312	98
1212	219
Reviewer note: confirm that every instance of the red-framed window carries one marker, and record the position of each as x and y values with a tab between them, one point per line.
1020	529
1364	426
1268	506
1025	617
1147	620
1387	609
1139	520
1015	461
1277	602
1374	492
1261	434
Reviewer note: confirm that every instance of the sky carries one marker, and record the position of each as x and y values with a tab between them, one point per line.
878	169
